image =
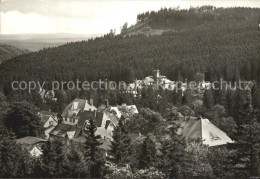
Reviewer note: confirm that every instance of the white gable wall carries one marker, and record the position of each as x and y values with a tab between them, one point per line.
212	135
49	121
36	152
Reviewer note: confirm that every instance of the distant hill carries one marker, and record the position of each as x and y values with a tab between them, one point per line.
222	43
7	52
35	42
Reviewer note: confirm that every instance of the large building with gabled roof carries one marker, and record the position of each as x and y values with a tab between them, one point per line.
199	128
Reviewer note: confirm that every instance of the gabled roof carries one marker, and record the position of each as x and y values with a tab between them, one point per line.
29	140
82	104
112	117
87	115
48	113
62	129
199	128
44	119
45	115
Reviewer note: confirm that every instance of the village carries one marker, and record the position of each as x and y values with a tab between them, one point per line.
70	126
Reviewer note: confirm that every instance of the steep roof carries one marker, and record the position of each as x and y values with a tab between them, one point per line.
81	104
87	115
99	119
199	128
45	118
30	140
48	113
45	115
112	117
62	129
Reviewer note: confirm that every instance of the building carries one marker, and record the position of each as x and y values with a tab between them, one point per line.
199	128
71	113
119	110
49	121
75	130
32	144
155	81
45	94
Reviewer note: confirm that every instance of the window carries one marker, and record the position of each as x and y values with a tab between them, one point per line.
214	136
73	120
50	123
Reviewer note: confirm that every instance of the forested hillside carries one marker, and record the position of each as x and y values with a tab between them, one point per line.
7	52
222	43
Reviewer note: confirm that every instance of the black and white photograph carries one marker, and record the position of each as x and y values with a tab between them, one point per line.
130	89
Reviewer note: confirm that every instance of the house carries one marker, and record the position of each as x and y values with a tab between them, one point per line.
63	132
45	94
49	121
119	110
32	144
199	128
155	81
73	130
71	113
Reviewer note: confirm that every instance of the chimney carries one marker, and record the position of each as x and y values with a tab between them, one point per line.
95	114
199	117
91	102
107	103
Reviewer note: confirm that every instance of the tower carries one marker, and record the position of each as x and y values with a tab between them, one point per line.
156	75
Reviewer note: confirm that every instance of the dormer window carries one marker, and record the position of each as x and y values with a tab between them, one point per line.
214	137
74	106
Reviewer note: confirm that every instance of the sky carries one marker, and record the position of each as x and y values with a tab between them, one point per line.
88	16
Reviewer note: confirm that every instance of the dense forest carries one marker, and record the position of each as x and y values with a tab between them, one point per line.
8	52
222	43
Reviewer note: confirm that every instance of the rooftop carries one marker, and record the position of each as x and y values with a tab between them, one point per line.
30	140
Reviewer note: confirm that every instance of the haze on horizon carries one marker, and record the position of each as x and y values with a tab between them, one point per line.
86	16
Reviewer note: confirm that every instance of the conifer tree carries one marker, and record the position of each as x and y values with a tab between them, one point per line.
147	155
208	100
15	161
77	164
246	157
120	148
54	160
174	155
93	154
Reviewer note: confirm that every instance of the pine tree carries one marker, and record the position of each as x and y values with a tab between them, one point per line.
15	161
208	100
174	155
121	142
77	164
4	105
93	155
246	156
54	160
147	155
